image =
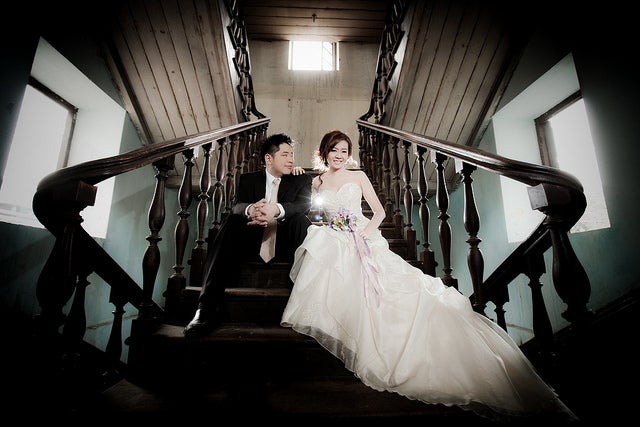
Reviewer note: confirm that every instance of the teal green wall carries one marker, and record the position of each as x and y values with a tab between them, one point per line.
611	90
25	249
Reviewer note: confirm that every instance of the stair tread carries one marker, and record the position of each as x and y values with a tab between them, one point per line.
346	398
240	332
253	292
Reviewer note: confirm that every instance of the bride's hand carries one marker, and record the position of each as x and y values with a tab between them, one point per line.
298	170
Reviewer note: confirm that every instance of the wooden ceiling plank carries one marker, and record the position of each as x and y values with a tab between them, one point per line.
395	101
436	91
171	42
472	52
136	93
147	78
250	15
333	4
198	41
190	52
416	33
481	83
440	119
158	67
254	22
213	36
284	32
422	70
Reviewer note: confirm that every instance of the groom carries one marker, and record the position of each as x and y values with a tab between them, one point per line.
241	233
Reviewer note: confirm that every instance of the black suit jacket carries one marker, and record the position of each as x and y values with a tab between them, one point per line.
294	193
235	241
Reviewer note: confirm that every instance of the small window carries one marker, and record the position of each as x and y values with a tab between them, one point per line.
45	125
65	119
565	143
313	55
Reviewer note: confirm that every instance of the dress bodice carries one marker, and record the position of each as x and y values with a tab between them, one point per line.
348	196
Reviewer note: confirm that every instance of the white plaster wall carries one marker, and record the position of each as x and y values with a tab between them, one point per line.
307	104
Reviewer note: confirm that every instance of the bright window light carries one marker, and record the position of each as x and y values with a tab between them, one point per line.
313	55
575	154
44	146
516	137
42	128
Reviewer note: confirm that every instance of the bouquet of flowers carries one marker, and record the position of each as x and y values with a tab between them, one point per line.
343	220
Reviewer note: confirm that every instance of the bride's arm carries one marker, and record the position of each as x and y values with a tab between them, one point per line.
315	185
373	201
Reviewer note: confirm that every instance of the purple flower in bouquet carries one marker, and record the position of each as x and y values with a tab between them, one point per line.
343	220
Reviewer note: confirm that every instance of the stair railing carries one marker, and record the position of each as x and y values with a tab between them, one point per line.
558	195
64	194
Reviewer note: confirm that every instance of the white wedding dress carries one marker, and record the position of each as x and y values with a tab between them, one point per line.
423	340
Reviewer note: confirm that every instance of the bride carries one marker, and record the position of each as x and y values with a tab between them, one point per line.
396	328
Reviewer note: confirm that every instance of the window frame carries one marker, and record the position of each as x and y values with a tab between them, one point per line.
546	143
596	215
65	148
334	55
97	133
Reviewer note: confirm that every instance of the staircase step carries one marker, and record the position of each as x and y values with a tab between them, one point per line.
230	352
251	305
254	305
346	400
250	361
261	275
262	371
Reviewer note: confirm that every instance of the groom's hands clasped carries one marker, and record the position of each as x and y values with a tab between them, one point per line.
262	212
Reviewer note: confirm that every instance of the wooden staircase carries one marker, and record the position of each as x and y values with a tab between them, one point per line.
252	367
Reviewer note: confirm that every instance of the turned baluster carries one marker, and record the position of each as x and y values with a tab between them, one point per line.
386	163
114	345
198	253
380	141
362	146
395	171
231	168
542	328
247	138
76	323
475	261
177	282
151	259
426	256
444	229
218	190
409	233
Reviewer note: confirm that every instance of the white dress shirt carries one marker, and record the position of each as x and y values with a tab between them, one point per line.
267	194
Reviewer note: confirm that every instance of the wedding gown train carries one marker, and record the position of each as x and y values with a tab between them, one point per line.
420	339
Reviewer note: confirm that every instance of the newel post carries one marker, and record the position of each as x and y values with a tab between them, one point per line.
570	279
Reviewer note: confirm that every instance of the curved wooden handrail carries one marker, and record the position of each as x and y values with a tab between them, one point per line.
95	171
557	194
524	172
58	202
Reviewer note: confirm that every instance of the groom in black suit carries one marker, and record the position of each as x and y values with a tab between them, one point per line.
241	232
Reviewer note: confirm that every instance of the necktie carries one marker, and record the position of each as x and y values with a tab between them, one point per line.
268	246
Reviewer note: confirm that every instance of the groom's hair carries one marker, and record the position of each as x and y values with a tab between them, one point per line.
271	145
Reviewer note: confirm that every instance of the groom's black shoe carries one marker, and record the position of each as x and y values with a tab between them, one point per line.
203	322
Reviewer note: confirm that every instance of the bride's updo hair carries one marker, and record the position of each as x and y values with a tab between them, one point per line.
329	140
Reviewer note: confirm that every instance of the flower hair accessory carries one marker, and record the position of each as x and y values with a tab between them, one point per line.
343	220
